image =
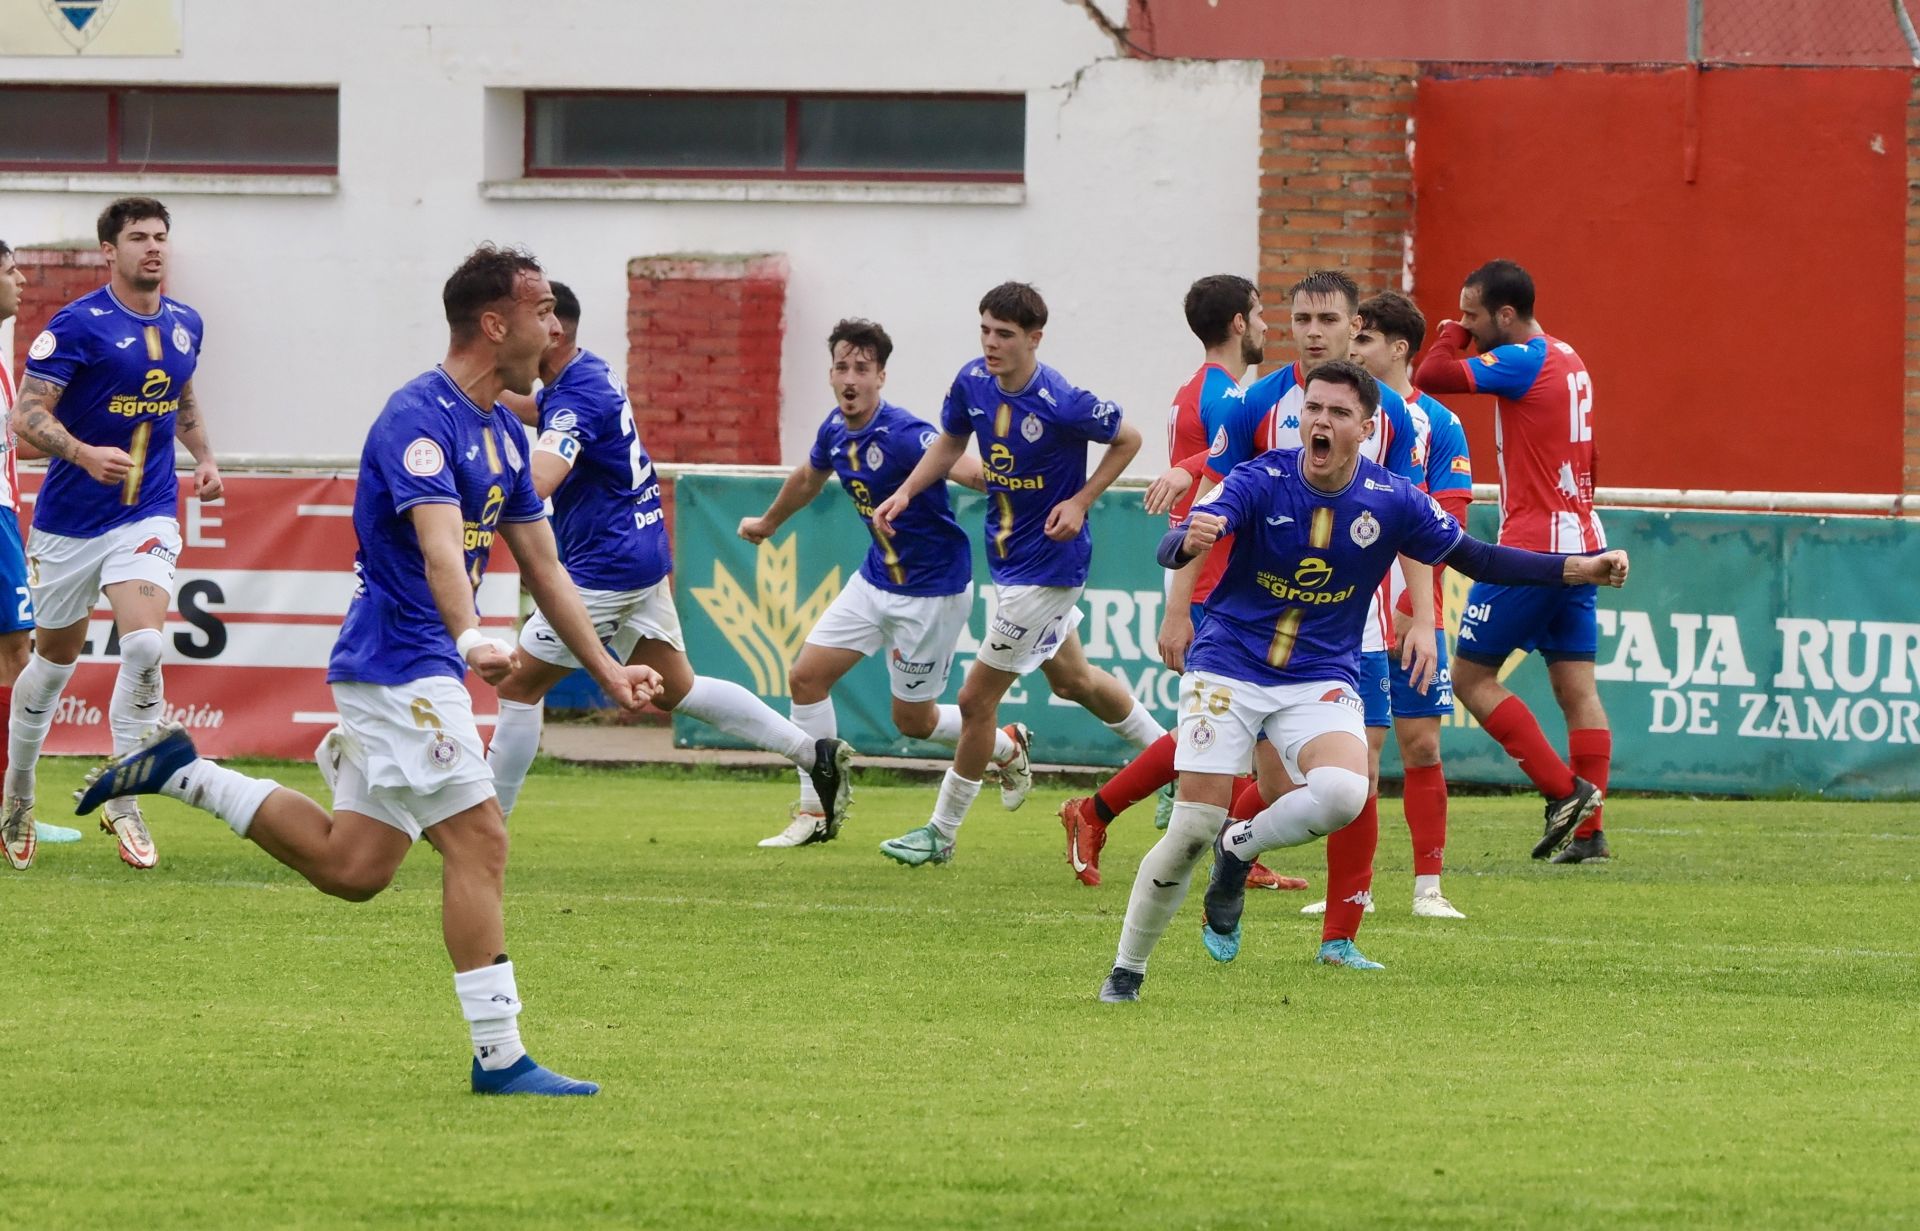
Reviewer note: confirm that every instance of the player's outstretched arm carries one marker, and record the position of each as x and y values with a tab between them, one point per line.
34	421
1515	566
934	466
191	430
1065	519
968	472
439	528
1165	491
546	579
802	485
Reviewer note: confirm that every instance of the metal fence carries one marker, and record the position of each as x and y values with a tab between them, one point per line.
1801	32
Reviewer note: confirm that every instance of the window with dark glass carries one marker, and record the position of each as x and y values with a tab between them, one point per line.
778	136
135	129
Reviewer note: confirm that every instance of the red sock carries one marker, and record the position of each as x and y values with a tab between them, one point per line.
1426	803
1145	774
1247	800
1591	751
1518	731
1350	873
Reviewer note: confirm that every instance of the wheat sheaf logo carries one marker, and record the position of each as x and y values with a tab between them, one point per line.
767	627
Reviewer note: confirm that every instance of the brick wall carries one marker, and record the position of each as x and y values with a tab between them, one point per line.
55	278
1336	185
1911	440
703	355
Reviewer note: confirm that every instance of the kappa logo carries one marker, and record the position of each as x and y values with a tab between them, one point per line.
767	626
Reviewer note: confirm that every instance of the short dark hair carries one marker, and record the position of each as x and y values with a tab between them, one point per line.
1353	376
862	335
1017	303
1503	284
1328	282
486	277
5	251
115	217
1213	302
566	304
1393	315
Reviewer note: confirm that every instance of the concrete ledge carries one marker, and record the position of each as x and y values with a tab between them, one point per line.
827	192
171	184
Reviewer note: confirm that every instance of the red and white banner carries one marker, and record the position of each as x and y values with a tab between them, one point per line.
264	579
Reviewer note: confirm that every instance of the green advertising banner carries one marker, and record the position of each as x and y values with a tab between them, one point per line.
1749	654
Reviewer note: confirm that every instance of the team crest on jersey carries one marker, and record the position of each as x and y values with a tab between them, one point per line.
876	456
1031	428
182	340
42	345
1365	531
442	751
1201	736
1219	446
513	450
423	457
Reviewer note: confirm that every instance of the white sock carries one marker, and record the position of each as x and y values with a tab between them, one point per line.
1330	800
491	1004
1425	884
516	741
956	796
36	694
946	730
1138	728
726	706
1161	884
138	701
819	721
228	794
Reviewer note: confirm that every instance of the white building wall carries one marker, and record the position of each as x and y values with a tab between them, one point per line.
1140	177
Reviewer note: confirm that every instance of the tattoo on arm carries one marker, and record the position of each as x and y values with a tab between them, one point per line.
189	418
34	420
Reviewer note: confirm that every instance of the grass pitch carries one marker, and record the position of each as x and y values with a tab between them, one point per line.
1718	1028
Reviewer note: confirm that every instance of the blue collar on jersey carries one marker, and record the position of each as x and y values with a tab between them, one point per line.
138	316
462	394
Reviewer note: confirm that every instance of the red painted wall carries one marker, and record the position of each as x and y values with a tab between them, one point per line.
1702	309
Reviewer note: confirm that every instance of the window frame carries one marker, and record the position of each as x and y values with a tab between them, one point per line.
114	164
789	170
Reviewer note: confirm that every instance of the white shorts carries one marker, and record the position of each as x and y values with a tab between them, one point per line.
408	755
918	631
67	575
621	618
1029	625
1221	718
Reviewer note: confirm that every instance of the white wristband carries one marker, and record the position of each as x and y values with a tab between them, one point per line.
473	639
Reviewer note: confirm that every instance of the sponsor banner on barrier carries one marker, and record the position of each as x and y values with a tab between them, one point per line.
1751	653
263	581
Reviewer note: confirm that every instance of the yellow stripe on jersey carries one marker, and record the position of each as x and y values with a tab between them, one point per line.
1005	531
1286	631
154	351
853	457
137	454
1320	534
493	452
1003	421
889	556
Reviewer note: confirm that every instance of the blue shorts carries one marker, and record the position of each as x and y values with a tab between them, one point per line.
1557	621
16	599
1375	689
1437	701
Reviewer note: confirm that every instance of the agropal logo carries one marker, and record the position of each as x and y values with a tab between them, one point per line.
767	627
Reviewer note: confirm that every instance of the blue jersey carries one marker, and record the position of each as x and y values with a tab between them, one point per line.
431	445
1267	416
607	517
121	374
1292	606
928	552
1449	469
1033	448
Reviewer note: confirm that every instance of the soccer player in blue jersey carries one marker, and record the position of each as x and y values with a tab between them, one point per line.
612	534
1315	530
108	389
442	474
913	592
1033	429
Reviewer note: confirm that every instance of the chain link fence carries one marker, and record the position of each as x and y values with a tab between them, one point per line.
1814	32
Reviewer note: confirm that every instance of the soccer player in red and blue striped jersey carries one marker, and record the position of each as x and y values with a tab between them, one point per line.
1543	431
